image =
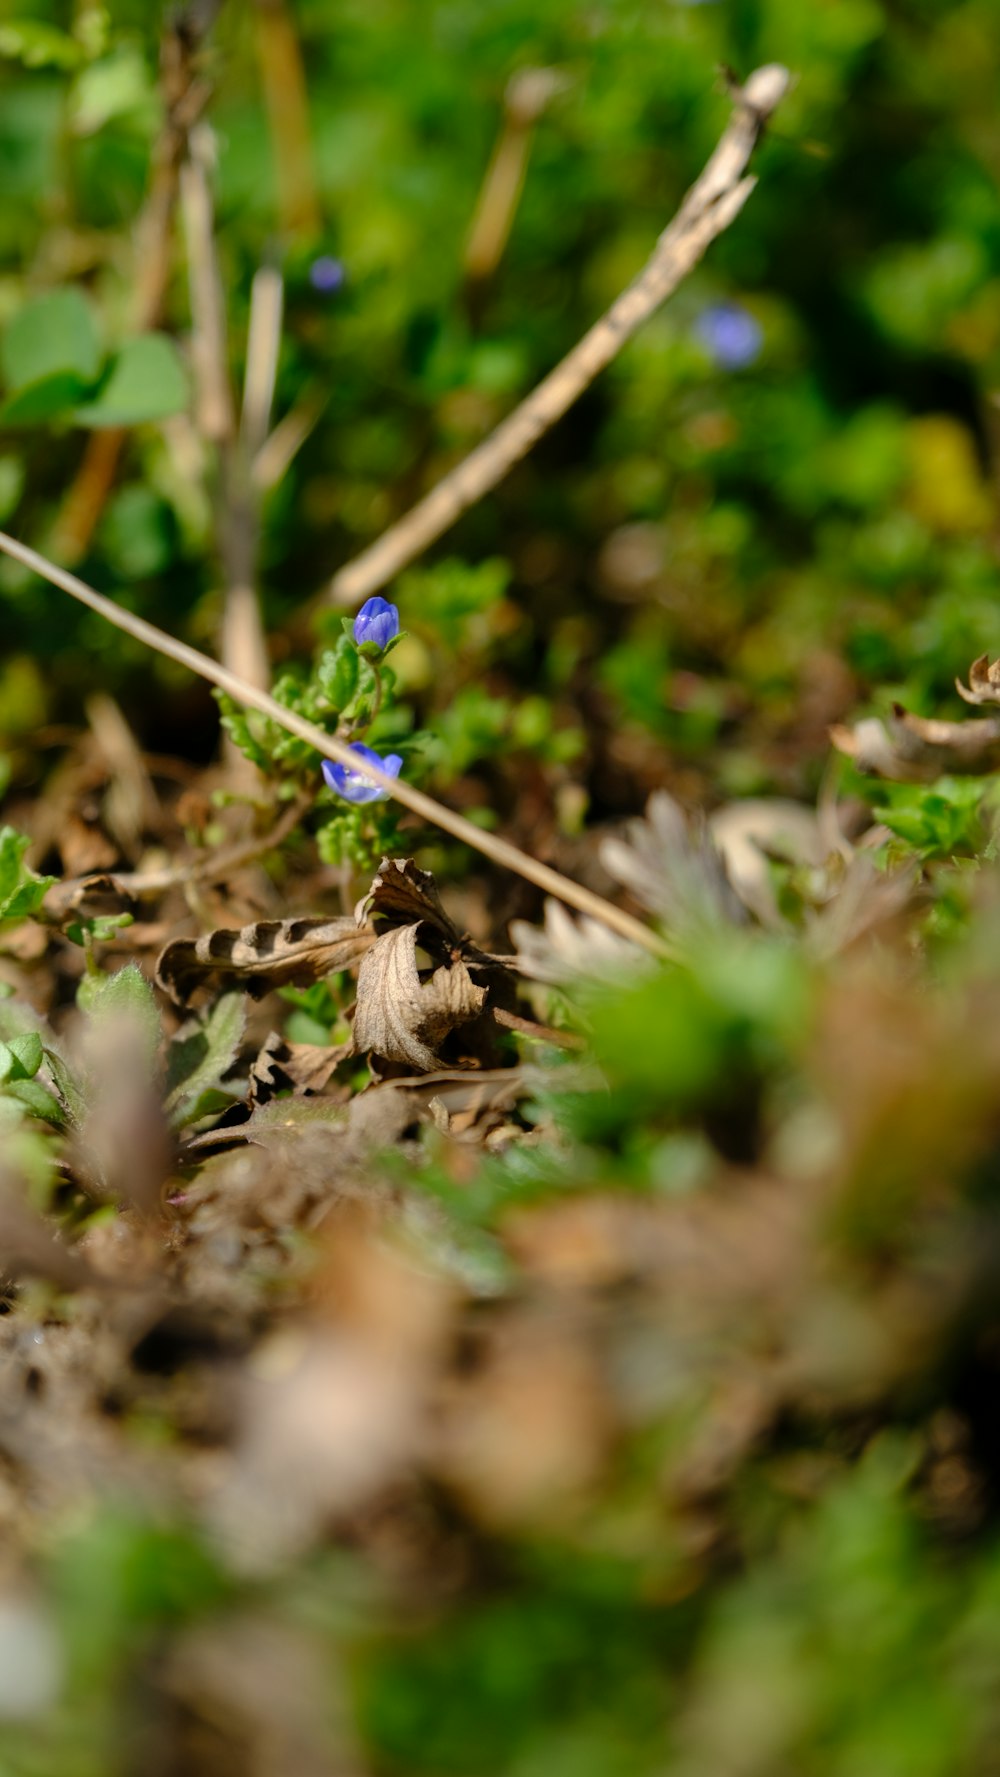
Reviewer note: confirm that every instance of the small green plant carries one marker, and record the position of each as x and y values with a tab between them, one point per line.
350	692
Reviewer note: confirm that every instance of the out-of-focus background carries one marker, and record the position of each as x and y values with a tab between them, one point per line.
779	498
629	1481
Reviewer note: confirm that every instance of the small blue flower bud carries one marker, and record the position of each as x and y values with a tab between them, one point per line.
327	274
731	335
352	783
377	621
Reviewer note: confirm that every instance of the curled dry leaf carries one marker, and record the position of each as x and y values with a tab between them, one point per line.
750	832
88	897
402	894
674	868
569	949
916	750
302	1067
401	1018
984	681
271	953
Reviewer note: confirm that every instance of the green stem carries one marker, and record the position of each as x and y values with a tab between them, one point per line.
376	706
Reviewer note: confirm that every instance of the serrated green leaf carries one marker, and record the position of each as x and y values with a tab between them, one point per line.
53	336
21	891
237	726
198	1058
123	997
337	673
147	381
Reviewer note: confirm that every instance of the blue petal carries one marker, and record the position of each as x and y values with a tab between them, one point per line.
352	784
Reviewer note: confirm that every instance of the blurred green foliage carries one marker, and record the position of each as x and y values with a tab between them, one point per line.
695	543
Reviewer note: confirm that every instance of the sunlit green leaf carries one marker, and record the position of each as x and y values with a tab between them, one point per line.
147	381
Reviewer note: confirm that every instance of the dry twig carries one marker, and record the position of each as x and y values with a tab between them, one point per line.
500	851
527	95
286	99
713	202
244	647
184	95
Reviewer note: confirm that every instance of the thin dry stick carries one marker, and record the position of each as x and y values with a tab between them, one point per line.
243	644
202	870
527	95
267	301
500	851
708	209
184	96
286	98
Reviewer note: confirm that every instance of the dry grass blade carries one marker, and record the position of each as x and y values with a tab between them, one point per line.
500	851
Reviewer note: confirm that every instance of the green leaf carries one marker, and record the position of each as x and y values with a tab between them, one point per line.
21	891
53	336
236	723
67	1085
147	382
13	846
21	1058
337	673
38	45
37	1100
123	997
198	1057
48	399
117	86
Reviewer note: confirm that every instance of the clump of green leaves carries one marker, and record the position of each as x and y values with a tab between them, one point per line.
56	371
21	890
351	692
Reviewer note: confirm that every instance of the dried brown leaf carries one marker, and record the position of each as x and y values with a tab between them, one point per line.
984	682
915	749
89	897
402	894
750	832
673	867
569	949
271	953
302	1067
401	1018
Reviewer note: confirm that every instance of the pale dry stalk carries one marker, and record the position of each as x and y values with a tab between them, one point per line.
184	94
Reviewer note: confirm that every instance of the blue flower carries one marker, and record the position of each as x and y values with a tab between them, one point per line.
732	337
327	274
377	621
352	783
